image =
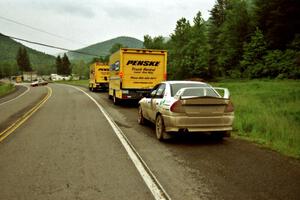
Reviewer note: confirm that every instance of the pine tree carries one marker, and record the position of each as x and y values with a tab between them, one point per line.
66	65
180	60
58	64
215	22
254	51
23	60
279	21
234	32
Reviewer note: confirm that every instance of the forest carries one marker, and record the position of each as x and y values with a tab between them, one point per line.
248	39
241	39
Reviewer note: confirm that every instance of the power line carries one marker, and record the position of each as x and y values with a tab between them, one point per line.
40	30
51	46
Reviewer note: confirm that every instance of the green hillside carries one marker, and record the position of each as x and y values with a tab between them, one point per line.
41	62
103	48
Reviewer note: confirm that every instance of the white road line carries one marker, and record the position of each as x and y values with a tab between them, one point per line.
17	96
151	181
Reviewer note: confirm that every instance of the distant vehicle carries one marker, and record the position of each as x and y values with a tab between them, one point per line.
56	77
187	106
99	74
38	83
18	79
134	72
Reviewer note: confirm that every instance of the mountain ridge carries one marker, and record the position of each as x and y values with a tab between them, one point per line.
102	48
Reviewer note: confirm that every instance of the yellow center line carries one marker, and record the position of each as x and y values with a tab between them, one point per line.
24	118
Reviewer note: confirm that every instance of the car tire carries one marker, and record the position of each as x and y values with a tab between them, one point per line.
141	119
161	134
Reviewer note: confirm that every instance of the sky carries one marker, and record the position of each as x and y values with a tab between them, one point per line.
75	24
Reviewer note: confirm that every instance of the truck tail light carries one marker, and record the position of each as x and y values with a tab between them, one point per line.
121	74
229	107
165	76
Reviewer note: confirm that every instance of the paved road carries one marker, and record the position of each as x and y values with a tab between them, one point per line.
197	167
67	150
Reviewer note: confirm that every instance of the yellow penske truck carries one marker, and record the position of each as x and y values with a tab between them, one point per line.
134	72
99	74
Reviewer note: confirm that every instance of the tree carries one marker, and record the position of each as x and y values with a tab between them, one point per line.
234	31
215	22
80	68
66	65
116	47
197	48
23	60
254	52
180	61
154	43
279	21
58	64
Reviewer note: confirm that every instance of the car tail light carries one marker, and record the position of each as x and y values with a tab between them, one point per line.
229	107
176	106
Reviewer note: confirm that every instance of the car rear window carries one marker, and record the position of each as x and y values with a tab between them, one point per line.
208	91
177	86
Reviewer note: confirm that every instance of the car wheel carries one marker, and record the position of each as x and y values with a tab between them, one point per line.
141	119
160	128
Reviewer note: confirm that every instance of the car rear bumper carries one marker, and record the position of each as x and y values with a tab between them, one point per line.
198	124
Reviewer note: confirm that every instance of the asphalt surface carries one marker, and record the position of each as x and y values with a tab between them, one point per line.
67	150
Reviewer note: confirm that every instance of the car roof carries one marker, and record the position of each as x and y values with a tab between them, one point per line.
190	82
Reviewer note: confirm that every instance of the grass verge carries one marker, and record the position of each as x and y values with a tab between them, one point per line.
267	112
6	88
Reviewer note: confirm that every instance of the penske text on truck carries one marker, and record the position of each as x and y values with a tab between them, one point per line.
99	74
134	72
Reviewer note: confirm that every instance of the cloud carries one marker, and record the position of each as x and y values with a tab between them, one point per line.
124	11
73	8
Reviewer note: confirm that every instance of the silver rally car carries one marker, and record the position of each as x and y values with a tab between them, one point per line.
187	106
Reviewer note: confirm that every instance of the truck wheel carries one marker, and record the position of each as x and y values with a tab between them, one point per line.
115	99
161	134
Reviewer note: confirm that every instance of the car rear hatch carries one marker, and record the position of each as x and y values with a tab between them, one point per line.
202	102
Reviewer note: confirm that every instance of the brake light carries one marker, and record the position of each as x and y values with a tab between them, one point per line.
229	107
176	106
165	76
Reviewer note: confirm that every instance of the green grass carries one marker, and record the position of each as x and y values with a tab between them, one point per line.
267	112
6	88
84	83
